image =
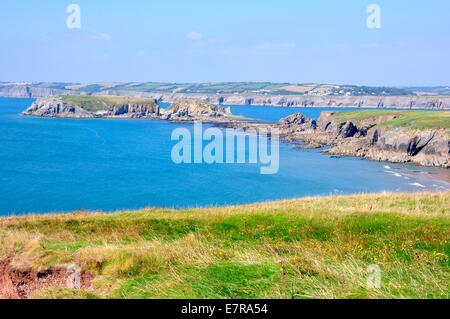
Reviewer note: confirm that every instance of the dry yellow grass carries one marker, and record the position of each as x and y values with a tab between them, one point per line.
308	248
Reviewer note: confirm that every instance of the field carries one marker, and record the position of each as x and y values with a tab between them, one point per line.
418	120
309	248
227	88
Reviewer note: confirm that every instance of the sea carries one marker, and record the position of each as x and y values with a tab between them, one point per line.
65	165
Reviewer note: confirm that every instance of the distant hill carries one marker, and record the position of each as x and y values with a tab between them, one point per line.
308	89
247	93
436	90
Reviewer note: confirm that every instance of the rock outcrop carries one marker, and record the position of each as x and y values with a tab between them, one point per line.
194	110
133	110
63	106
368	138
298	122
50	107
117	107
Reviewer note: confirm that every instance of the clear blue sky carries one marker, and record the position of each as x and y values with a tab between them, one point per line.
324	41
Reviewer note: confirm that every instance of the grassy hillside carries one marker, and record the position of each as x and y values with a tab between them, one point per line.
100	103
406	119
294	249
227	88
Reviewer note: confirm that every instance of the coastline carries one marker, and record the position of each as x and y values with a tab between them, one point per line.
412	136
438	103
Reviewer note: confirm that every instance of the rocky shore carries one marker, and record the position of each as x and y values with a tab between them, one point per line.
370	137
194	110
394	136
70	106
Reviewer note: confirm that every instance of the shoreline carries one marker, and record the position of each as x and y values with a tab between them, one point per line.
419	137
292	125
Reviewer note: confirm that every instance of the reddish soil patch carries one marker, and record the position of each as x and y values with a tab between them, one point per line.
20	284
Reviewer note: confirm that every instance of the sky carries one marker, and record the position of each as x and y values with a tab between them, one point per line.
320	41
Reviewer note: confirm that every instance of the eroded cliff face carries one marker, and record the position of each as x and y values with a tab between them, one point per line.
114	107
405	102
368	138
58	107
194	110
23	91
133	110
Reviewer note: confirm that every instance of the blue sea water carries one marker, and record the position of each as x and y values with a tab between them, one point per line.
53	165
274	114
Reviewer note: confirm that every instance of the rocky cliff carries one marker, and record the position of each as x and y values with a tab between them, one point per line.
194	110
419	137
79	106
373	137
24	91
380	102
72	106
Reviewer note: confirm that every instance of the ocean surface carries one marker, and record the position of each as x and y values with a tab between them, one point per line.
55	165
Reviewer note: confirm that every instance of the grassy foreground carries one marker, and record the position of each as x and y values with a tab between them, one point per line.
310	248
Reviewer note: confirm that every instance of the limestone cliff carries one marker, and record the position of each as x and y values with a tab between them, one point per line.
379	102
375	138
72	106
194	110
394	136
79	106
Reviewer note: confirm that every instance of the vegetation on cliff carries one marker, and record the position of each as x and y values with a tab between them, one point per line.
82	106
394	136
102	103
310	248
418	120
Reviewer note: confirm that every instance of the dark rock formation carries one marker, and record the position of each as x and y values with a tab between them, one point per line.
347	129
367	138
299	121
429	147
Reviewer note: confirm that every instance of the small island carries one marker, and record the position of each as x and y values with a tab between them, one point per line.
117	107
419	137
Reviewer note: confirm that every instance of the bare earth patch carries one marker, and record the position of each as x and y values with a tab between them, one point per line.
21	284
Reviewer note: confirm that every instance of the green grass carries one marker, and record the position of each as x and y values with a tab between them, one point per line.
310	248
101	103
420	120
